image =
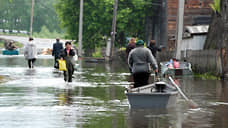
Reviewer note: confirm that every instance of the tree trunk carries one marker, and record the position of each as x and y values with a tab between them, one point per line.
148	29
217	35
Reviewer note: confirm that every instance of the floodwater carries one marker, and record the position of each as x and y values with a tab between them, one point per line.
40	98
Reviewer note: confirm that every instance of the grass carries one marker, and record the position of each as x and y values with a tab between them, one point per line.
206	76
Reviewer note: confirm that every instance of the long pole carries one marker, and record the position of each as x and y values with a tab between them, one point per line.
163	27
179	28
31	20
113	33
80	29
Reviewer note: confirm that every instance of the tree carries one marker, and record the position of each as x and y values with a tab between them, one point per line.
97	19
217	34
15	14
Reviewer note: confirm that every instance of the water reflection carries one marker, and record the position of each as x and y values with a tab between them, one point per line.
95	98
158	118
65	97
30	72
221	111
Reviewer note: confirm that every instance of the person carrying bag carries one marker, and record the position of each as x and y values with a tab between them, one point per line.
62	65
67	55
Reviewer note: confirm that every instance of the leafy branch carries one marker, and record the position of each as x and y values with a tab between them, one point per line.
216	6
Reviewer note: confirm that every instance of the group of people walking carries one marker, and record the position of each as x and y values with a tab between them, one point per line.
67	54
140	60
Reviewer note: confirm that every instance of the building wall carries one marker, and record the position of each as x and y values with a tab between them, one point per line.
196	42
196	12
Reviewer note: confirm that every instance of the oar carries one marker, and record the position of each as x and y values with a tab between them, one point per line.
191	103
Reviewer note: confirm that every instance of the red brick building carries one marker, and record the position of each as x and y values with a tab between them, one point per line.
197	12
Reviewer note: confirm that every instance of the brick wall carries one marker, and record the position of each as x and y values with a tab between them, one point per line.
196	11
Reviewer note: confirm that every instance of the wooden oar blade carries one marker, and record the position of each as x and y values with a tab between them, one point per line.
192	104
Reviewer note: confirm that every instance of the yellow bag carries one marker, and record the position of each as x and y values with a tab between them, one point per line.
62	65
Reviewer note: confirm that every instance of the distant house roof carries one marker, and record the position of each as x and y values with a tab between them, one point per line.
199	29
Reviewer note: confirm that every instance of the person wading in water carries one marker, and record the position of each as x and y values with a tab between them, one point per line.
57	47
67	54
30	52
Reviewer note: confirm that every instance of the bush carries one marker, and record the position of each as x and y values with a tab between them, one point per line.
1	44
206	76
45	33
97	53
20	45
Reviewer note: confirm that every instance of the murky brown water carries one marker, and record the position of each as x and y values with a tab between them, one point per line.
41	99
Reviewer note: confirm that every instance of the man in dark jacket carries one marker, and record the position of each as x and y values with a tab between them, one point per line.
57	47
139	61
154	48
67	54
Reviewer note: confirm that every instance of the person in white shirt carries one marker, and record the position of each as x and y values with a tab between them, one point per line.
30	52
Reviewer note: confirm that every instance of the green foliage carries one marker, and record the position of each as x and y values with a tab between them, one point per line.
122	49
45	33
216	6
97	53
1	44
18	44
97	20
206	76
15	15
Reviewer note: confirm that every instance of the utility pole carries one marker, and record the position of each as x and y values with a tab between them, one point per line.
31	20
113	33
80	29
179	28
163	22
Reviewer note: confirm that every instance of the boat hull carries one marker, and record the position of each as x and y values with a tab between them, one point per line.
10	52
156	95
153	100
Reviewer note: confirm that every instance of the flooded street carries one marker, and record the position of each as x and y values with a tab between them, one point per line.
40	98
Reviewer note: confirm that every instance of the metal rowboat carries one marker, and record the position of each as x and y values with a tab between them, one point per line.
156	95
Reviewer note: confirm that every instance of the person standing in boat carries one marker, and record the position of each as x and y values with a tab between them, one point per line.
67	54
153	48
30	52
140	60
57	47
